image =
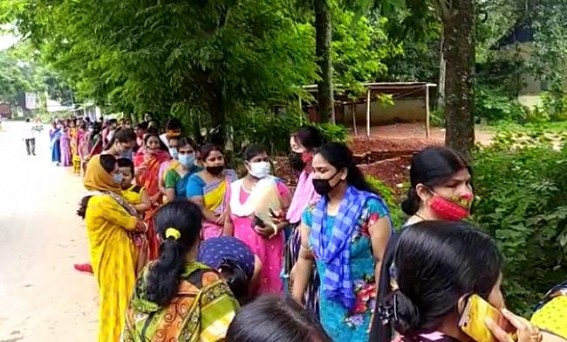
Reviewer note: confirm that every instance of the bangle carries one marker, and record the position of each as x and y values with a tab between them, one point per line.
275	231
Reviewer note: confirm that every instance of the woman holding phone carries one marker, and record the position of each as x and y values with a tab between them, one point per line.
441	264
252	200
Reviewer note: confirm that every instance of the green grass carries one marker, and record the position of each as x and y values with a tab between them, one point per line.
552	127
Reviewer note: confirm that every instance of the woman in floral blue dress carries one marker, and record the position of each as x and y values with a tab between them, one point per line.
345	234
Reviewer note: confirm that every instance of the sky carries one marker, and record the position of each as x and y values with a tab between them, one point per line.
6	39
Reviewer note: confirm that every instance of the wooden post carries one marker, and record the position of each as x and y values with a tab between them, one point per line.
353	112
427	129
368	112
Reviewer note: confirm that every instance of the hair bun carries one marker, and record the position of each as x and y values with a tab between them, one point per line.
410	205
407	318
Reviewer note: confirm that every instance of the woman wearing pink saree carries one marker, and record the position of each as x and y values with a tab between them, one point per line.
252	200
65	144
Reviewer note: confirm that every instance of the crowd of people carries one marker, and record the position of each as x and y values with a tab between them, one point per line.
183	248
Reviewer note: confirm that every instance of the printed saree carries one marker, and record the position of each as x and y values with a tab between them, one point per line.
201	311
149	180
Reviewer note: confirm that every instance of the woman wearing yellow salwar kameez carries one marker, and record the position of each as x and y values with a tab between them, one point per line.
111	224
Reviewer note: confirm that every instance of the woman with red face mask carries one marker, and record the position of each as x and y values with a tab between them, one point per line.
303	145
440	189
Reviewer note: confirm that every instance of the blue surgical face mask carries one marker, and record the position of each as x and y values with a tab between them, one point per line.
173	153
117	177
187	160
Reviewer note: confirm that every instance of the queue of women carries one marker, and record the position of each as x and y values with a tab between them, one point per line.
183	249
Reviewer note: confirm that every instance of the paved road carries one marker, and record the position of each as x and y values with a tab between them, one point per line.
42	298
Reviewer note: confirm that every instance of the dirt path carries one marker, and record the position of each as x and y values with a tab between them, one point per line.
417	131
42	297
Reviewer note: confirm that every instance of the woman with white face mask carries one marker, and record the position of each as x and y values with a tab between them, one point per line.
252	201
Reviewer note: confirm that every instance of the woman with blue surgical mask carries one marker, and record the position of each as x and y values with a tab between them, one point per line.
253	202
177	177
173	144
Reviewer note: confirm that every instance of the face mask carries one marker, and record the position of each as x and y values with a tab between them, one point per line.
296	162
117	177
215	170
454	209
173	153
126	153
307	157
323	186
259	169
187	160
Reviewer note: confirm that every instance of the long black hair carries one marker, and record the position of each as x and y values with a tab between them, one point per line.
108	163
237	280
340	156
165	274
274	319
310	137
123	135
433	166
437	263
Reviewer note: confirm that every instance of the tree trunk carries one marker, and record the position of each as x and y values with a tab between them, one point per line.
216	105
217	109
323	38
458	48
442	72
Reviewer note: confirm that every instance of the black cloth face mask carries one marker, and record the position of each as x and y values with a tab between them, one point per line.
323	186
215	170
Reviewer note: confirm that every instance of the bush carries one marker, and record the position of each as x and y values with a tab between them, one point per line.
388	195
493	105
554	105
332	132
522	202
259	126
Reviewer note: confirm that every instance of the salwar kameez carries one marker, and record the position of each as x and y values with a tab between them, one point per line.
267	194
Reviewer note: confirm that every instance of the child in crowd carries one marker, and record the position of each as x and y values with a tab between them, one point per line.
134	194
139	199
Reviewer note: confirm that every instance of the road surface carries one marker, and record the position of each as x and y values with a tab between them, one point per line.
42	298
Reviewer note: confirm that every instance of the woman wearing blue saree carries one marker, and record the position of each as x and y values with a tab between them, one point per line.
208	190
176	178
55	137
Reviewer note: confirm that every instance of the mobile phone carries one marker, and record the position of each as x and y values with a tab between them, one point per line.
272	213
473	324
257	222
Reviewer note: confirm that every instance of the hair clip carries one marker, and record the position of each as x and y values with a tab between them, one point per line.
172	233
387	312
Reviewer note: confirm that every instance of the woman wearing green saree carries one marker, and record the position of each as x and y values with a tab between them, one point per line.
176	298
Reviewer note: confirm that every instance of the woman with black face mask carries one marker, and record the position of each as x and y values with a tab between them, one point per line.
302	144
208	189
345	235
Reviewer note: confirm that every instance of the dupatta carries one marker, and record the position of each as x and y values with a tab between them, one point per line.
263	197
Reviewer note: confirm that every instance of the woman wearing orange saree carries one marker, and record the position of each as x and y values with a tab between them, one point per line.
147	162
